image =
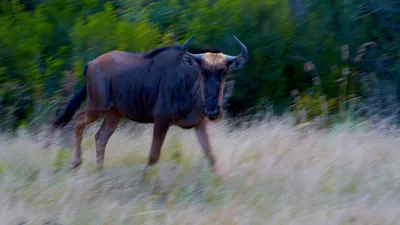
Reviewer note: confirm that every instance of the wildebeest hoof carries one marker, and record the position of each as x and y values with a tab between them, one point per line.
100	168
144	174
46	145
75	164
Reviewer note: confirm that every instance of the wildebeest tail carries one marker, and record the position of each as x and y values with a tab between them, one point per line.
72	106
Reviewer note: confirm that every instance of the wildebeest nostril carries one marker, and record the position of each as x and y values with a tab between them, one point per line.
211	111
213	117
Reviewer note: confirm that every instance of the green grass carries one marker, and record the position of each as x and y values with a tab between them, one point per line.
271	174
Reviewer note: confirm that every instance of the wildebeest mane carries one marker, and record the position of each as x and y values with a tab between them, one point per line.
193	50
157	51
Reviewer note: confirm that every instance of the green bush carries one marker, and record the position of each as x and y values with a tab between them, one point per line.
41	40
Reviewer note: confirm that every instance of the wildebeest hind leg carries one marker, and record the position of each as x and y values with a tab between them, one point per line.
159	132
82	119
102	136
202	137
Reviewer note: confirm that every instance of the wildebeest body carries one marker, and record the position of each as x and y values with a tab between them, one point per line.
167	86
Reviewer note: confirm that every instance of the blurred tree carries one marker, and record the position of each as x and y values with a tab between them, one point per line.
41	39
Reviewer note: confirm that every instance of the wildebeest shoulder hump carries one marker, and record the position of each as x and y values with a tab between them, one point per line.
157	51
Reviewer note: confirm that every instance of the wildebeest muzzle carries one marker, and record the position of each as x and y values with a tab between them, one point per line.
211	112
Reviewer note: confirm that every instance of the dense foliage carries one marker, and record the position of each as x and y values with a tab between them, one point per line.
348	48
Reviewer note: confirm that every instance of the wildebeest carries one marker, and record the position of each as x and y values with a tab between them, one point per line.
167	86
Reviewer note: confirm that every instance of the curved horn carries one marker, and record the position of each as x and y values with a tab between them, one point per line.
186	44
230	58
185	47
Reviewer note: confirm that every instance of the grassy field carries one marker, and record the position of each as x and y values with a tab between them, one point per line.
272	174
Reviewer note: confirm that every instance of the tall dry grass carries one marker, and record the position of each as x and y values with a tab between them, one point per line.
273	173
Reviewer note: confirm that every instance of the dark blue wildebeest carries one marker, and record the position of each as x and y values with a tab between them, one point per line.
167	86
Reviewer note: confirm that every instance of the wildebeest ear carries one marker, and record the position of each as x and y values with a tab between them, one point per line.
189	61
237	64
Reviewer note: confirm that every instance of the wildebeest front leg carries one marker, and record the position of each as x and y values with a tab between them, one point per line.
102	136
202	136
159	133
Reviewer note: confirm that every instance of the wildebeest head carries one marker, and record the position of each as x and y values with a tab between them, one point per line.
213	67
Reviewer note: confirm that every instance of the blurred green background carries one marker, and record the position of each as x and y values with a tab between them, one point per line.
308	57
